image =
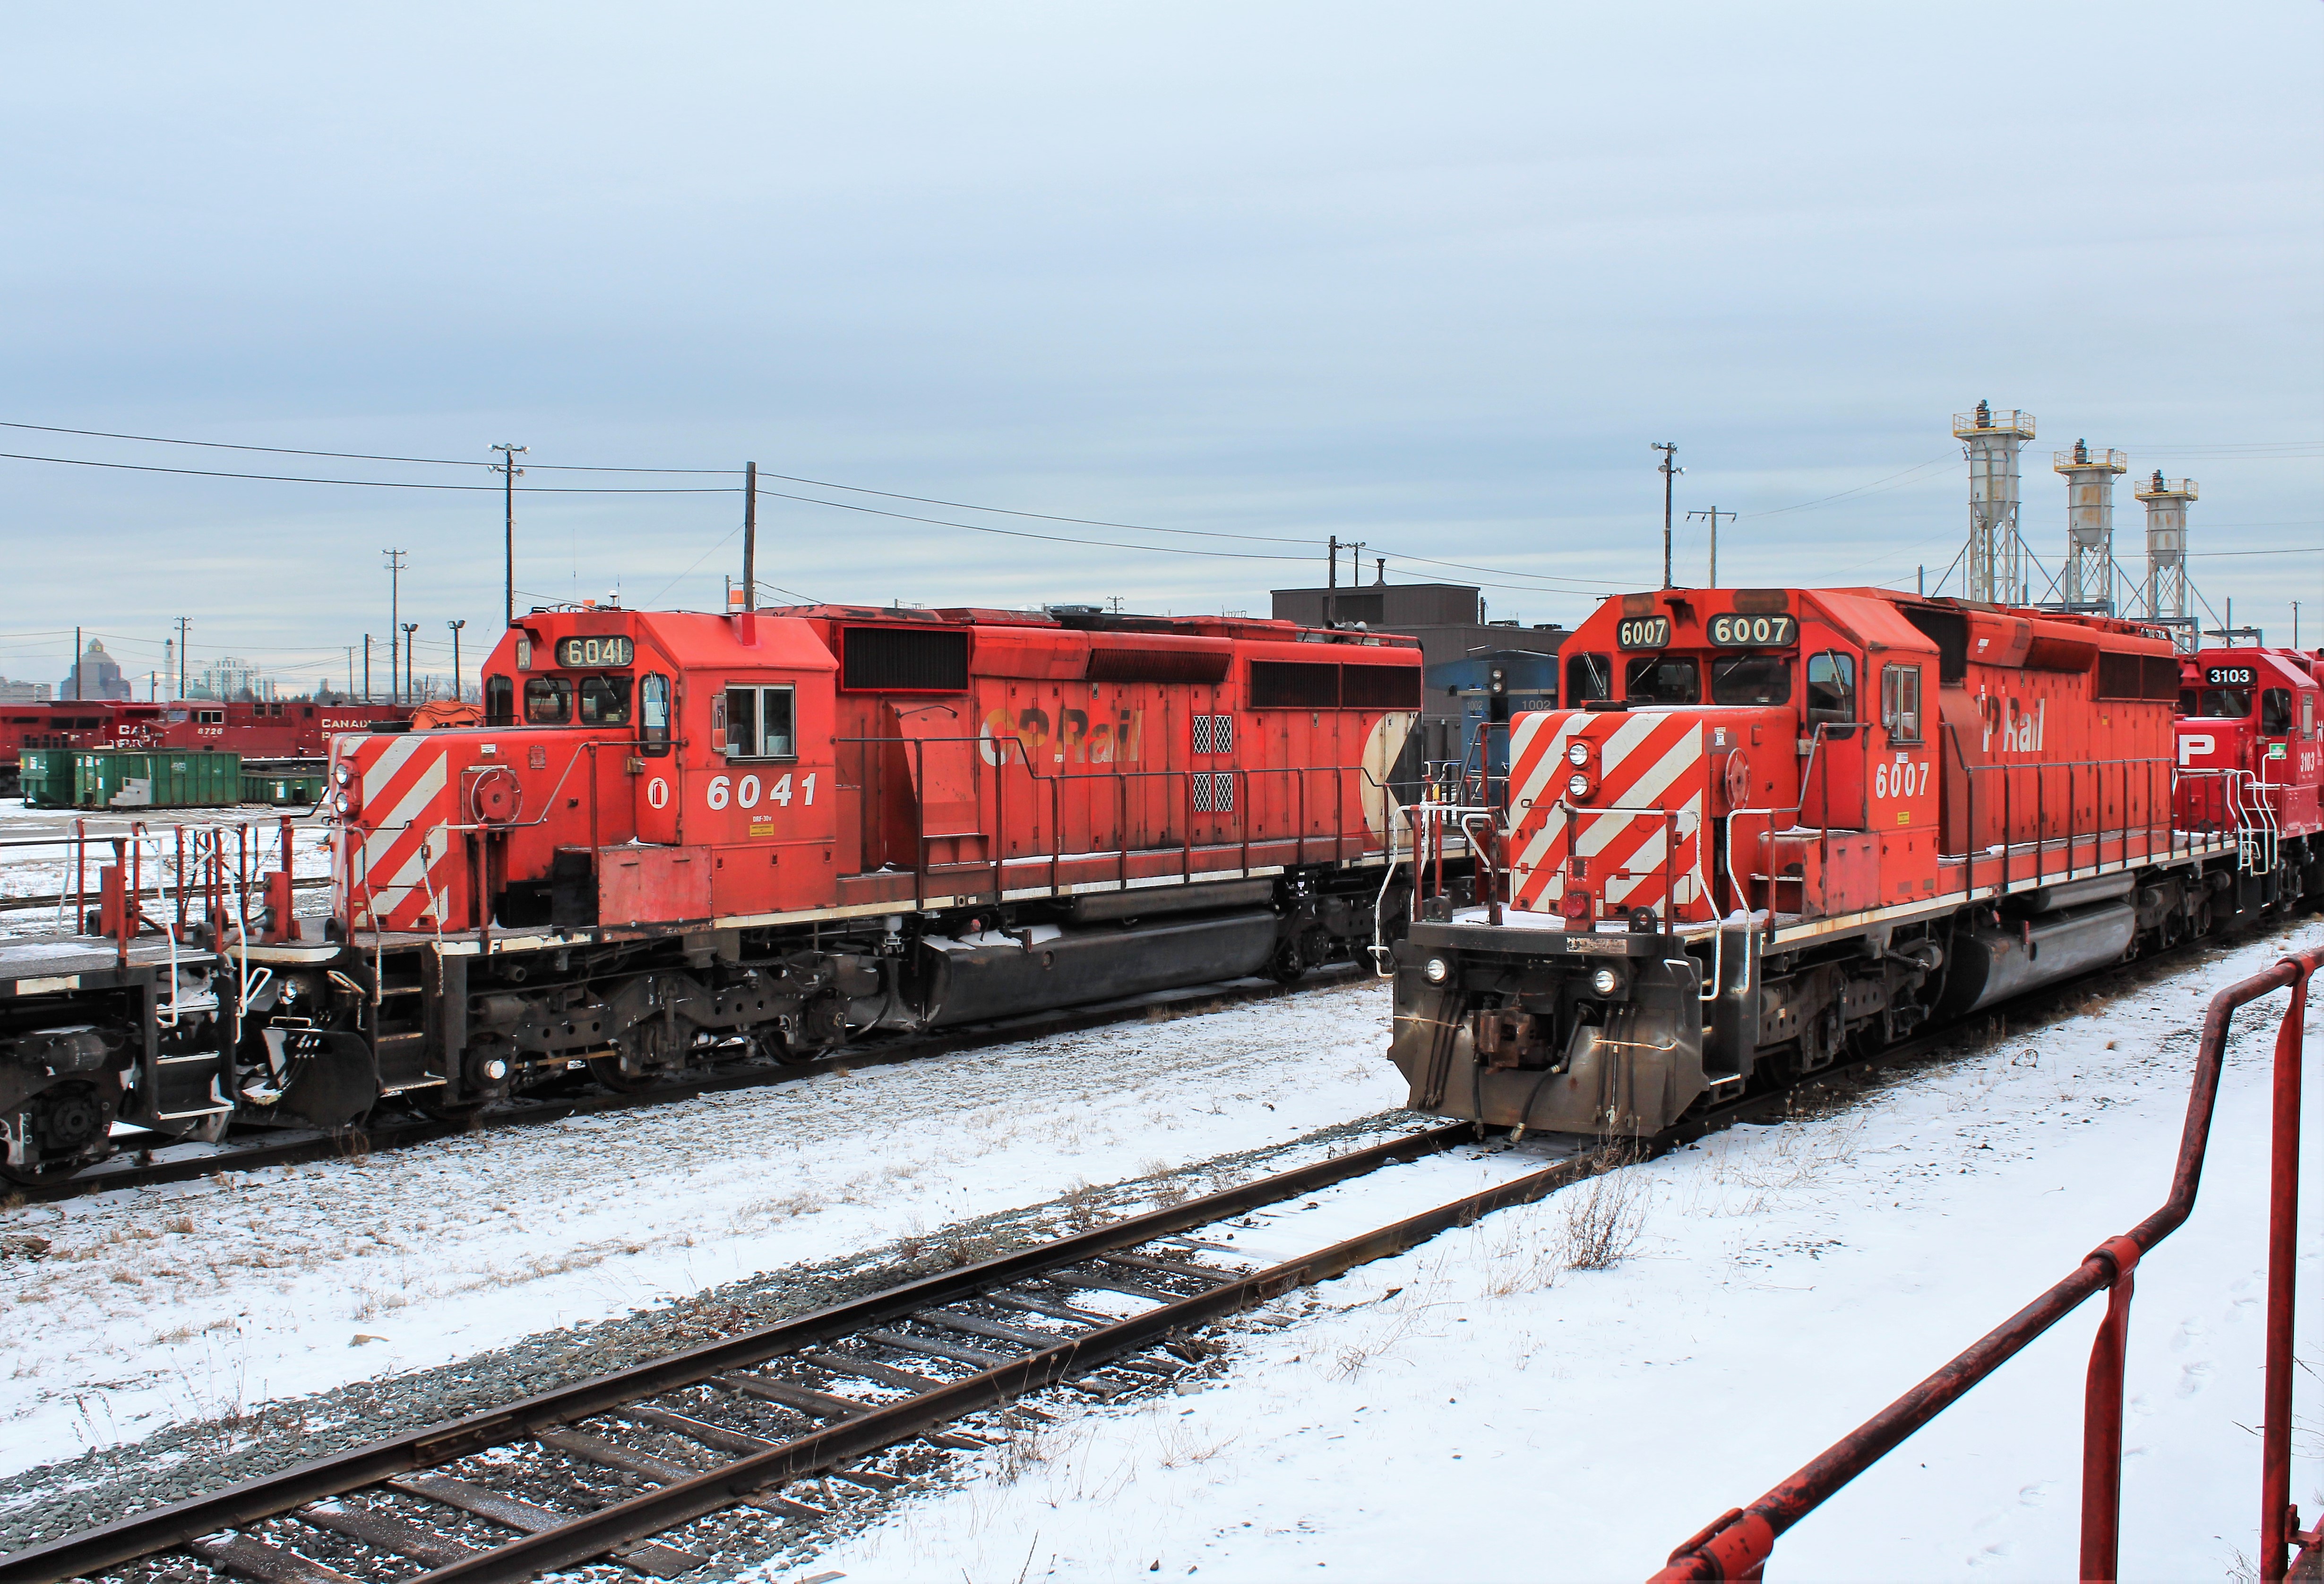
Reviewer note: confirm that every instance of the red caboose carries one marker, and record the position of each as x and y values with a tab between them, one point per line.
833	818
1779	821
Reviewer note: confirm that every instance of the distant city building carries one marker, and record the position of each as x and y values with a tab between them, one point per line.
24	692
231	681
95	676
1449	620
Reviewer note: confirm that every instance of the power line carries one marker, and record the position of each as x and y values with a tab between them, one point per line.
368	484
342	455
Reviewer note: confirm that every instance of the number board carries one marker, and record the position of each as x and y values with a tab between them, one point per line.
2229	677
1754	631
1644	632
595	651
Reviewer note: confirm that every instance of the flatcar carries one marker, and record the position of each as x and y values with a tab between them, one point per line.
1773	826
683	839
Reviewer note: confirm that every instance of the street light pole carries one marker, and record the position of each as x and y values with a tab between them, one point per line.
457	695
1669	448
410	694
510	473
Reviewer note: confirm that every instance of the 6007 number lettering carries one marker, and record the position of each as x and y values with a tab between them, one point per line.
1644	632
1753	632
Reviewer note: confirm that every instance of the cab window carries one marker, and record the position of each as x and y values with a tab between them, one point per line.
2275	712
1750	679
605	701
1588	677
2224	704
548	700
1900	702
1832	689
500	702
653	714
1662	680
757	724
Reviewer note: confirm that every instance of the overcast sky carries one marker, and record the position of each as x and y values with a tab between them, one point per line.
1431	278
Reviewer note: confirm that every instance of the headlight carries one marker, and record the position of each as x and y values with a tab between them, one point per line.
1605	981
344	805
343	772
1577	754
1436	970
1578	787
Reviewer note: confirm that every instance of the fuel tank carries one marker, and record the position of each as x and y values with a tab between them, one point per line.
998	975
1990	965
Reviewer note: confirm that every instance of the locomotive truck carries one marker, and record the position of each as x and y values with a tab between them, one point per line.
681	839
1774	826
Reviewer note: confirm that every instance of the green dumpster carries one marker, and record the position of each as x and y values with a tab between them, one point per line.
117	779
283	788
46	777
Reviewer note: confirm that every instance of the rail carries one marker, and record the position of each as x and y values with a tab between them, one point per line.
1738	1544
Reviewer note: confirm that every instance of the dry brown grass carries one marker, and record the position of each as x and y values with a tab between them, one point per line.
1605	1217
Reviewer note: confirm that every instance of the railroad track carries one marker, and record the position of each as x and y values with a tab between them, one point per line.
621	1468
260	1148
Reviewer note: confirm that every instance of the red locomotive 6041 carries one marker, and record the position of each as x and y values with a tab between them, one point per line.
685	836
1778	825
682	839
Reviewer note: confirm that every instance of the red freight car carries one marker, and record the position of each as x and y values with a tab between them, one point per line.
258	730
1782	824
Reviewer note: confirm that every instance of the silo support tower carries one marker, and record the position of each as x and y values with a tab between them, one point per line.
2166	556
2088	579
1995	558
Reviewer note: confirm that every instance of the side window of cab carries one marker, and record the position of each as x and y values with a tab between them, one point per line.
2275	712
653	715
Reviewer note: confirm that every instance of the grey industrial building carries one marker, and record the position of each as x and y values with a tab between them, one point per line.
1449	620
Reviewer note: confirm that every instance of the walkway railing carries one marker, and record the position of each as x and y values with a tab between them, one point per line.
1739	1545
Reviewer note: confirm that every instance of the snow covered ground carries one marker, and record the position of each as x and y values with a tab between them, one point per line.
1475	1411
205	1299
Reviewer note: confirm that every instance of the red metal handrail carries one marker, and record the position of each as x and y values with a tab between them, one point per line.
1738	1544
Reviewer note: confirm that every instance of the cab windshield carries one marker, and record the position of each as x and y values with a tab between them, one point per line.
1663	679
2224	704
1750	679
606	701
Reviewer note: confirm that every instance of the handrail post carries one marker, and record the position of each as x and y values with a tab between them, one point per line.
2102	1419
2275	1524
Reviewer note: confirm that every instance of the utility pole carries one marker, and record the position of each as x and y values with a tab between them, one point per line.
1332	593
181	656
510	473
457	695
395	564
1714	514
77	694
351	669
366	667
2295	623
750	535
410	696
1669	448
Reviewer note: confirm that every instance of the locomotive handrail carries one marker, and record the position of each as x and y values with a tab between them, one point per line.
1738	1544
